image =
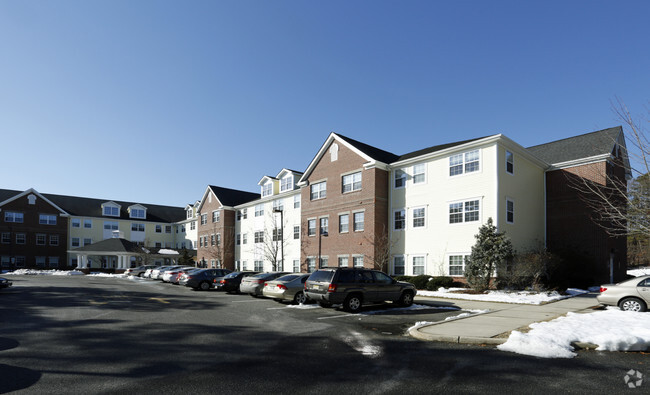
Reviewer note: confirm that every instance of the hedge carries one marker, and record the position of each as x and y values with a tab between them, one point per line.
429	283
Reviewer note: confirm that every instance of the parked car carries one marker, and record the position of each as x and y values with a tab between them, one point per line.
231	281
169	276
5	283
354	287
290	287
177	279
202	279
138	271
253	285
629	295
147	273
157	273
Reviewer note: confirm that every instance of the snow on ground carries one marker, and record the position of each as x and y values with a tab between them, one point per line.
467	313
642	271
22	272
611	330
520	297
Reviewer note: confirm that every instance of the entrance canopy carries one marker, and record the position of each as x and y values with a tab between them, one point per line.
118	253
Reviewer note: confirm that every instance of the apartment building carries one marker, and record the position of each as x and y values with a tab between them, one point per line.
267	229
44	230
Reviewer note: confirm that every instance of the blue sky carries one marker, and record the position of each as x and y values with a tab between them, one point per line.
151	101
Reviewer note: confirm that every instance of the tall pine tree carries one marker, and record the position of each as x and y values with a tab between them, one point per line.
490	249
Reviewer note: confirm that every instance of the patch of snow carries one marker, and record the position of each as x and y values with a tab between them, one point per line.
519	297
362	344
303	306
611	330
468	313
642	271
98	274
24	272
167	252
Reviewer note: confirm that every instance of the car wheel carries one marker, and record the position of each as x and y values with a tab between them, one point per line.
406	299
632	304
204	286
352	303
140	274
300	298
324	304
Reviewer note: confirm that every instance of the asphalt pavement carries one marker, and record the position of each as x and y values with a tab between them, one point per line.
502	318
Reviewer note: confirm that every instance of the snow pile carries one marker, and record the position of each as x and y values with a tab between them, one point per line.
521	297
411	307
303	306
468	313
23	272
167	252
642	271
611	330
98	274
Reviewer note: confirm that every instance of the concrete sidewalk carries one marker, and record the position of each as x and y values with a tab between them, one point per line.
502	317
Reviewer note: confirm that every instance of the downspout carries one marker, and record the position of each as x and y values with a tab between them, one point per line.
498	189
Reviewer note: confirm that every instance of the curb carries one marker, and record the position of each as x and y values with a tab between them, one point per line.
456	339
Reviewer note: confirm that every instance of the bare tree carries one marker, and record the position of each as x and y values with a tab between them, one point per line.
620	209
220	244
382	246
274	241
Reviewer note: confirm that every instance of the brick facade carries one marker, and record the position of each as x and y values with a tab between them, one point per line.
216	236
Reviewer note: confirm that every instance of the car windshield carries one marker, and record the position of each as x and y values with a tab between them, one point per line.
233	275
288	277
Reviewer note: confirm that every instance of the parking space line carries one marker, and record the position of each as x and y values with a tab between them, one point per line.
247	301
338	316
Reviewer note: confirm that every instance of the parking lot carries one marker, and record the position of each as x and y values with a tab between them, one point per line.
72	334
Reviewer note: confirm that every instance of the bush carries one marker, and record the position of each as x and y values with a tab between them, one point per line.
427	282
436	282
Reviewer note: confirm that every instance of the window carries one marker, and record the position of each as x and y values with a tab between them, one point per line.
344	223
419	217
296	265
189	214
40	261
135	227
158	244
311	265
344	261
47	219
168	229
158	228
286	183
358	221
216	216
457	265
238	239
259	237
109	225
88	223
357	261
6	261
75	222
20	261
467	162
510	163
352	182
399	219
296	201
324	226
12	216
419	175
212	240
193	225
398	265
40	239
267	189
88	241
218	239
464	212
54	240
296	232
318	190
418	265
21	238
204	219
244	238
244	213
324	262
278	204
259	210
510	211
75	242
400	179
54	261
137	213
258	266
311	227
112	211
6	238
277	234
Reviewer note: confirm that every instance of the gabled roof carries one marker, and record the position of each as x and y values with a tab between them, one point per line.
232	197
373	152
590	145
435	148
13	195
112	245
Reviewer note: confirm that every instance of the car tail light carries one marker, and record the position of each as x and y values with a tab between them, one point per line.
257	281
603	289
331	288
281	286
222	281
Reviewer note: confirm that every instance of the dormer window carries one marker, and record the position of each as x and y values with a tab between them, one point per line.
267	189
286	184
111	209
189	214
138	211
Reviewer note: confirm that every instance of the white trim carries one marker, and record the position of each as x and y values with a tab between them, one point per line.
63	213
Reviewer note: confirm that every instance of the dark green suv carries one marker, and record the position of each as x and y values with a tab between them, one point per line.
354	287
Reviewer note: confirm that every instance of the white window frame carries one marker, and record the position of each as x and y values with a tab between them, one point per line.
14	216
259	210
351	182
420	173
88	223
311	230
47	219
344	261
420	218
462	161
296	201
75	223
286	183
510	211
402	219
395	265
462	209
424	264
267	189
346	223
510	162
401	179
41	239
357	261
356	228
463	261
318	190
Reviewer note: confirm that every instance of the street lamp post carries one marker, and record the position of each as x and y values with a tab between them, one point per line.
321	233
277	210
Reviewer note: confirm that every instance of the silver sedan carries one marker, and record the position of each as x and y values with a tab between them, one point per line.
290	287
629	295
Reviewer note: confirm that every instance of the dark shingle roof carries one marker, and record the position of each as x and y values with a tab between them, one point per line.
112	245
436	148
90	207
601	142
373	152
233	197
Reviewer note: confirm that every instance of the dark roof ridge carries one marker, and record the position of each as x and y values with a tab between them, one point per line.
619	127
439	147
373	152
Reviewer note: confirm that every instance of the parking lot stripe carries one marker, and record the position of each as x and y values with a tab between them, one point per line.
338	316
